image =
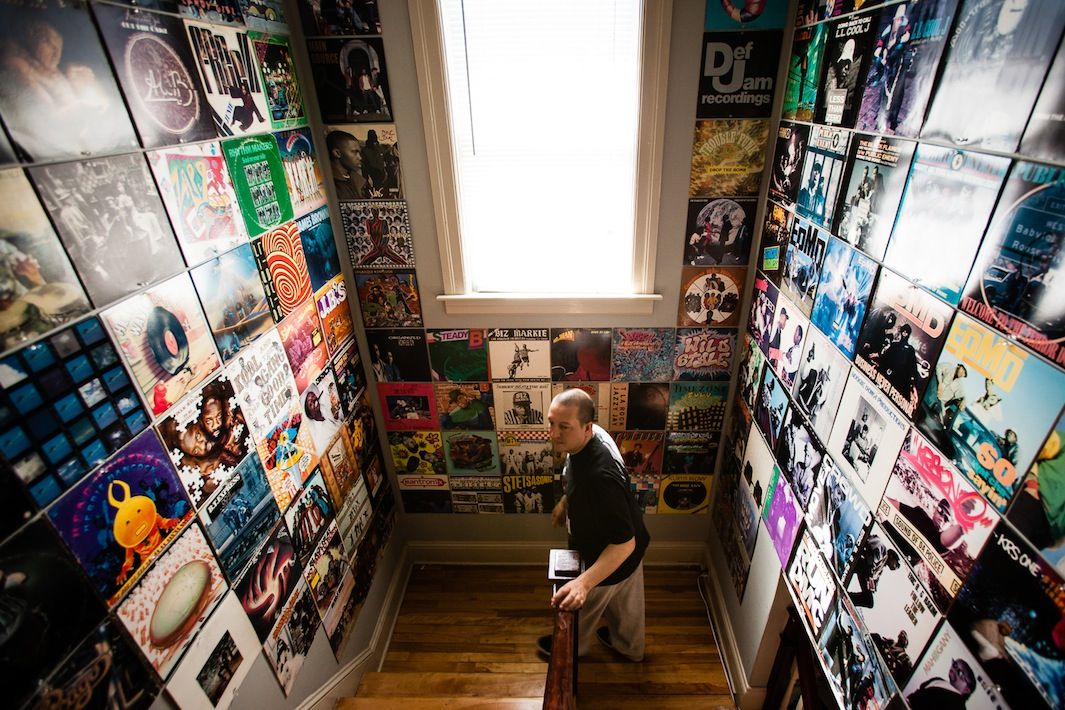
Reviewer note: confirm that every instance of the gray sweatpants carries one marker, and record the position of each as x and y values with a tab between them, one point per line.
621	607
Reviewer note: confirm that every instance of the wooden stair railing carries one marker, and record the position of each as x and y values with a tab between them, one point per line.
561	688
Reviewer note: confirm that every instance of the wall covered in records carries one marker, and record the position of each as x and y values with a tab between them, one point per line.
895	434
191	481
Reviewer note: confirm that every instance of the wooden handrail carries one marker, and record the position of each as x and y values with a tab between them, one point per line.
561	687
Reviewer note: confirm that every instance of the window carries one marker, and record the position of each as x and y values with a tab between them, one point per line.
544	126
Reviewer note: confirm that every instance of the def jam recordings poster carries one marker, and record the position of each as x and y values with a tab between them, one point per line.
739	74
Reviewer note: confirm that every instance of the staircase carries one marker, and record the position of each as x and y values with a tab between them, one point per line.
465	638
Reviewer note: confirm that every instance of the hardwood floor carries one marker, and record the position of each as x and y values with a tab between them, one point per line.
465	638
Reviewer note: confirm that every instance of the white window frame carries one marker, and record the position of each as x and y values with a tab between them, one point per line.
432	87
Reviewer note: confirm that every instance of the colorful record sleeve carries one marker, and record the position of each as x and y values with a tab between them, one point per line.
378	234
262	380
812	585
206	437
457	355
350	377
948	198
719	231
318	247
685	493
369	153
909	42
233	299
284	95
196	190
739	74
822	173
288	456
476	494
1045	134
997	57
170	604
518	354
849	46
471	453
641	405
703	354
764	298
165	341
946	658
465	406
305	347
45	102
283	269
229	73
580	354
728	157
799	455
304	177
1011	287
807	12
309	516
730	15
258	175
351	79
804	69
227	11
157	73
696	406
408	406
784	349
772	407
872	191
690	452
757	470
837	517
339	469
68	404
642	453
785	179
819	382
322	411
643	354
1036	510
802	264
600	394
55	608
782	515
986	407
264	16
326	569
290	641
398	355
321	20
521	405
112	222
750	370
418	455
1014	634
389	299
239	518
270	580
711	296
333	312
528	473
846	285
847	654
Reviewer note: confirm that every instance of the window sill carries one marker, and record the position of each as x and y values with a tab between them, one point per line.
539	304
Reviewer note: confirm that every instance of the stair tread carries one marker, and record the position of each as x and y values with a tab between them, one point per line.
407	702
491	685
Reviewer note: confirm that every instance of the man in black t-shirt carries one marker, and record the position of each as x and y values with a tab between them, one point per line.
605	526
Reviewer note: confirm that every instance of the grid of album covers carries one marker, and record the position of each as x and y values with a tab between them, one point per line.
897	423
191	475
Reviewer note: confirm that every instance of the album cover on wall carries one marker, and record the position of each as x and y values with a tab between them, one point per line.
302	173
847	278
812	584
407	406
262	380
457	355
948	198
227	11
305	347
398	355
786	176
757	470
728	157
55	73
1034	509
317	246
378	234
703	354
233	299
773	404
284	95
643	354
290	640
229	75
849	46
784	351
739	74
351	79
365	161
471	453
322	411
350	377
763	306
258	176
112	222
580	354
719	231
746	516
642	452
799	455
690	452
776	232
600	394
872	191
287	454
739	562
946	658
476	494
283	269
989	416
309	517
389	300
731	15
750	370
819	382
685	493
269	581
807	12
340	469
465	406
528	473
1011	285
519	353
848	656
711	296
782	515
802	264
322	19
638	405
332	303
804	70
837	517
822	173
521	405
1045	135
239	518
696	406
418	458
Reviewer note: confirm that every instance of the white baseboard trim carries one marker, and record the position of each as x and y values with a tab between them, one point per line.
726	639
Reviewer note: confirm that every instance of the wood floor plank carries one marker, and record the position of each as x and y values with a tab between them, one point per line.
409	703
447	685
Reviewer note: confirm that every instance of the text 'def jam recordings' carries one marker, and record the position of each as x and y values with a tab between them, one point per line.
738	74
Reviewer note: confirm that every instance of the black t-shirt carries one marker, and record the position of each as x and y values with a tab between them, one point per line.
601	506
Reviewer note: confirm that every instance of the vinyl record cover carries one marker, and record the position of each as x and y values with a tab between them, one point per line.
600	394
301	333
871	191
750	370
309	517
326	569
55	74
728	157
465	406
353	517
521	405
112	222
782	515
639	405
773	404
808	12
350	377
528	476
757	470
206	437
945	208
239	518
900	342
259	180
195	186
476	494
986	408
804	69
685	494
703	354
68	405
819	382
837	517
997	58
40	289
322	19
457	355
233	299
847	653
786	335
287	454
339	469
724	516
764	298
866	437
227	11
389	300
283	269
471	453
822	174
734	439
849	45
642	452
217	662
719	231
690	452
711	296
580	354
408	406
696	406
812	584
378	234
351	79
290	640
946	662
334	313
418	459
365	161
264	15
847	278
317	246
156	70
167	609
910	39
1045	135
302	173
739	74
746	516
269	582
229	75
786	176
321	409
262	380
284	95
1035	511
398	355
799	455
643	354
735	15
1011	287
164	340
802	264
517	354
1014	635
